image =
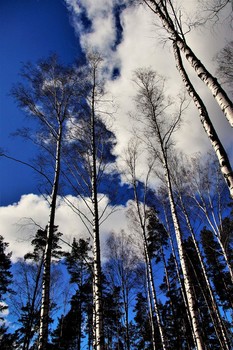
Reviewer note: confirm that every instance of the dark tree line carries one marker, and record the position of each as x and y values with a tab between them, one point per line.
165	283
126	300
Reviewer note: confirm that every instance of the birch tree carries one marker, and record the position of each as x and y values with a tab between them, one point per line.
48	95
180	172
120	270
165	11
207	190
141	218
89	163
220	152
151	105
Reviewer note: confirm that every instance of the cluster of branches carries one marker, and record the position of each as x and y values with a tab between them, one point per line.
182	230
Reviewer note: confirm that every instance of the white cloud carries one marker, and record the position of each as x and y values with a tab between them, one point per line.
17	224
142	45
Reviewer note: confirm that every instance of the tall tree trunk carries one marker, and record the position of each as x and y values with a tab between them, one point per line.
154	297
214	310
45	303
27	338
187	281
220	152
178	273
160	8
98	341
147	258
150	310
126	307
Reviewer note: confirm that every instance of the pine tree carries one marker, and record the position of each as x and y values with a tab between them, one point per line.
69	332
6	275
143	334
6	340
30	311
112	308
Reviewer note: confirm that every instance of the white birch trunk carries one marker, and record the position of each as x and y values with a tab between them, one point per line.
178	272
148	263
158	127
154	297
98	337
220	152
45	302
150	310
226	105
187	282
27	338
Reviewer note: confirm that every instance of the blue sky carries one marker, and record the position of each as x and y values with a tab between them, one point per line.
29	30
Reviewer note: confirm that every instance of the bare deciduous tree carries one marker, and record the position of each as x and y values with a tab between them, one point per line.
141	217
49	95
179	175
151	104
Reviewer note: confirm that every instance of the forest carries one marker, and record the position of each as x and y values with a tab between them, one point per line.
165	282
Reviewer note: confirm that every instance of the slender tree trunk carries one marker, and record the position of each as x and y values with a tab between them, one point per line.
219	327
187	281
126	307
154	297
226	105
27	338
45	303
98	341
150	310
178	270
220	152
148	263
178	274
215	231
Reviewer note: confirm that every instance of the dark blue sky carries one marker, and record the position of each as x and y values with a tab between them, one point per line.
29	30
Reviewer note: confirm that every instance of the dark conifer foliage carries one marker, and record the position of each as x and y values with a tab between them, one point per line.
6	340
32	269
5	273
70	330
174	311
142	328
217	269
